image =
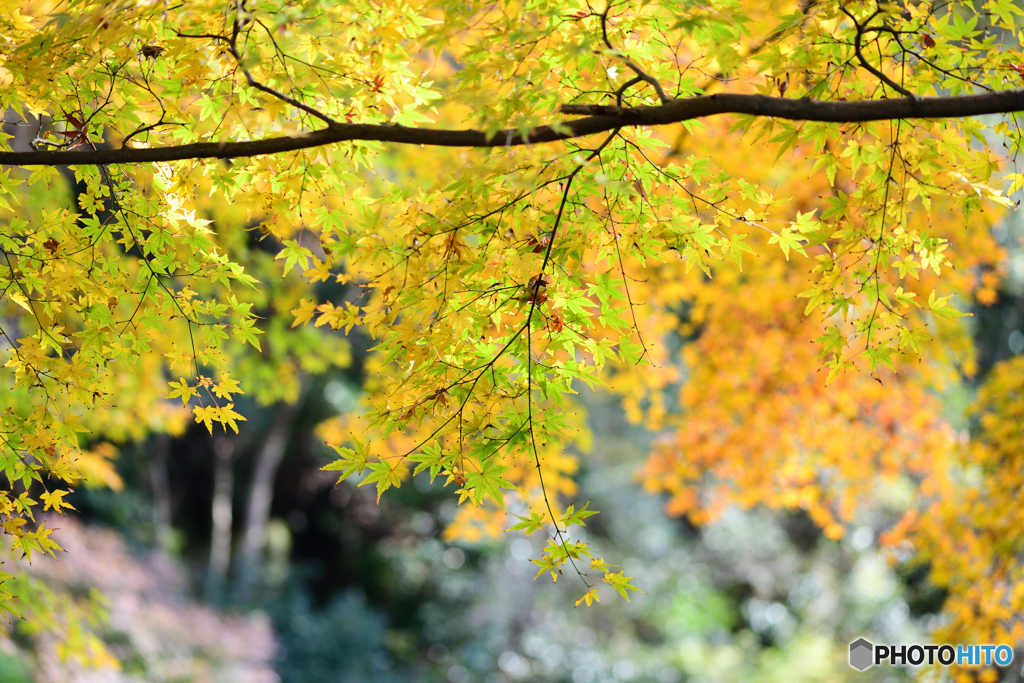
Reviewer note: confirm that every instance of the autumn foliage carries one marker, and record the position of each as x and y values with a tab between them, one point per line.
778	297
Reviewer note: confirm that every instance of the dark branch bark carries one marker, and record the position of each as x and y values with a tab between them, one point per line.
672	112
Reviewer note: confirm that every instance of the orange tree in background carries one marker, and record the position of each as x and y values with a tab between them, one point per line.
524	198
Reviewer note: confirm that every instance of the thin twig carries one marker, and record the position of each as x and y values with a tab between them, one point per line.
863	60
640	73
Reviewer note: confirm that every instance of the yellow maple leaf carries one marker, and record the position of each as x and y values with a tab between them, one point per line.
226	387
206	415
589	597
228	417
304	313
182	390
55	500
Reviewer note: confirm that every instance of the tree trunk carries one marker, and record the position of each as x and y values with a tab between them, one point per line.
261	491
223	492
161	492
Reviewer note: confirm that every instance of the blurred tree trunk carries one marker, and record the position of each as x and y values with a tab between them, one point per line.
223	492
261	490
161	492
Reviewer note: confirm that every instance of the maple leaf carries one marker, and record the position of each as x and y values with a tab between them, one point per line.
13	526
304	313
182	390
207	415
535	522
549	563
488	481
69	428
572	516
225	387
30	542
589	597
620	583
228	417
292	253
55	500
384	476
350	462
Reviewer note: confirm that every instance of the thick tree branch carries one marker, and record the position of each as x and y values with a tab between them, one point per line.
673	112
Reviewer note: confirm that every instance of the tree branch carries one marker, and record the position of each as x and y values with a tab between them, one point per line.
640	73
861	28
674	111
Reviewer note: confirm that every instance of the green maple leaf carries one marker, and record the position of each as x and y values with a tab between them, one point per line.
535	522
291	254
384	476
488	481
573	516
620	582
351	462
182	390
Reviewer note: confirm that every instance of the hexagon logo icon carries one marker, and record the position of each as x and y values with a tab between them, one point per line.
861	654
